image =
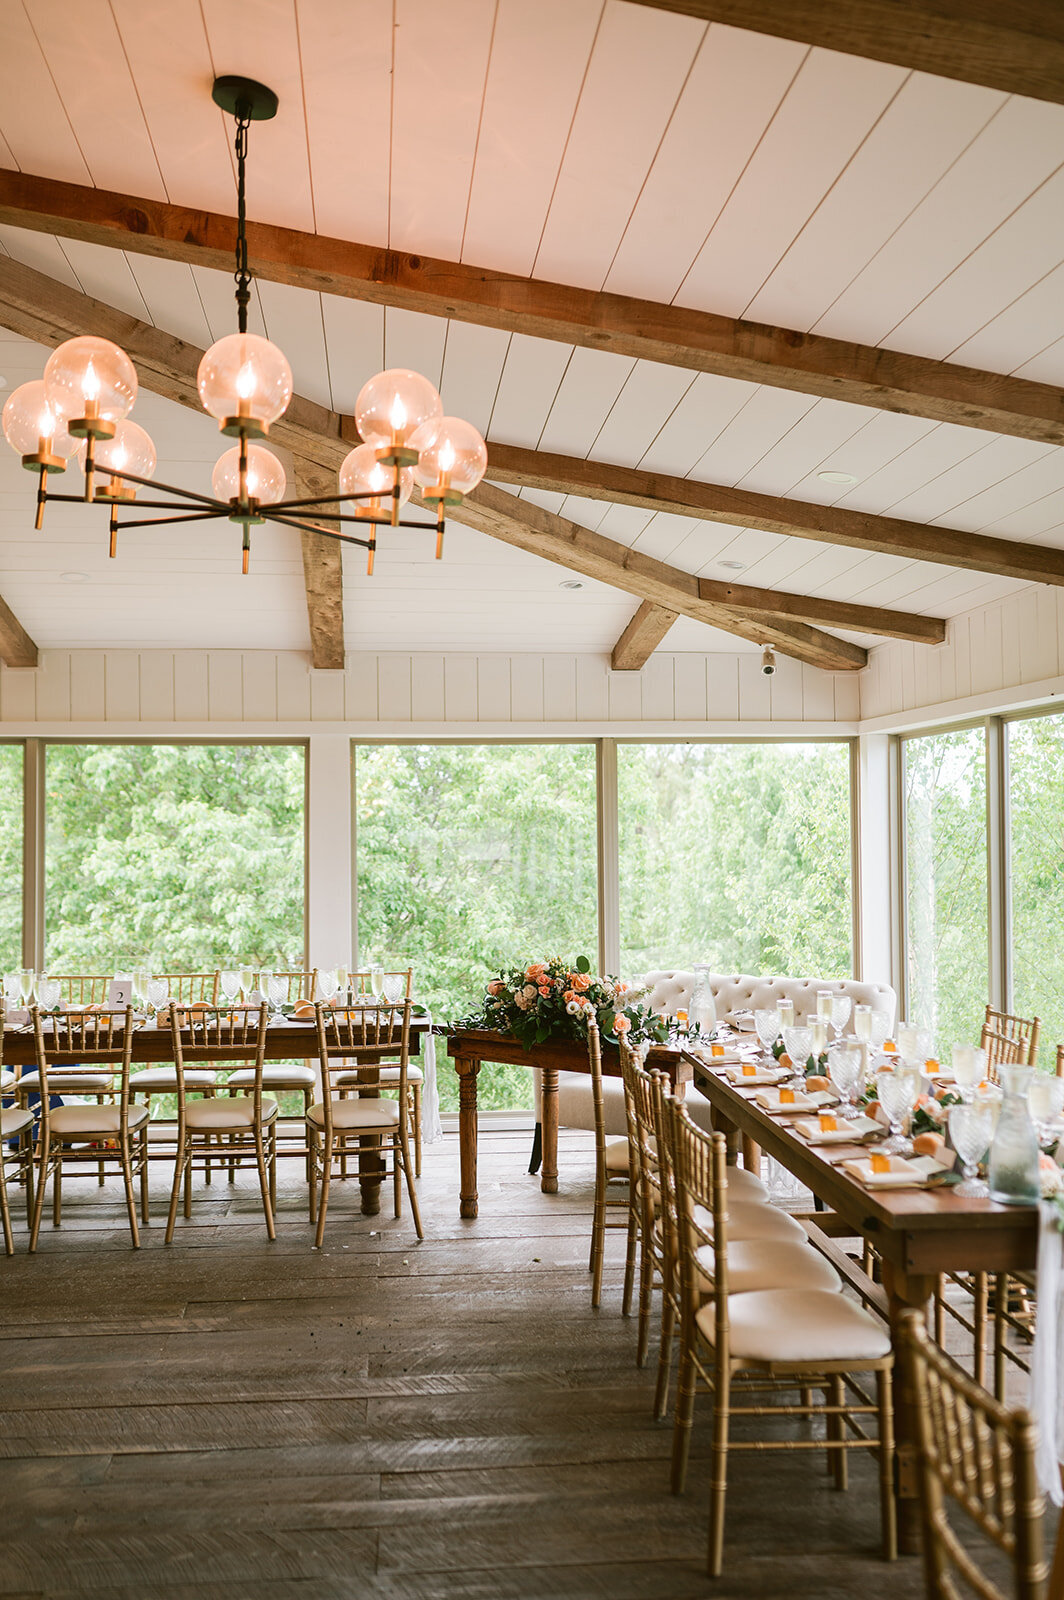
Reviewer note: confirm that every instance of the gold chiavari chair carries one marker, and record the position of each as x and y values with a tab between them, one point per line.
336	1125
16	1129
285	1077
1008	1041
192	988
73	1043
77	989
972	1452
360	984
614	1168
223	1036
186	988
775	1340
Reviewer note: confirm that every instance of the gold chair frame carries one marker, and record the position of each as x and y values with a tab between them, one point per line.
604	1181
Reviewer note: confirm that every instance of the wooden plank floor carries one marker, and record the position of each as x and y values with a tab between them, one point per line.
228	1417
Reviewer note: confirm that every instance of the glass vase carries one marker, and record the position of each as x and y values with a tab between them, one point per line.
703	1009
1014	1177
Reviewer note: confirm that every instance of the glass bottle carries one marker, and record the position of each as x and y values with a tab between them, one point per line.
703	1010
1014	1177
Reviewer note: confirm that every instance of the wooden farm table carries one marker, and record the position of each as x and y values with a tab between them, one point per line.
470	1047
917	1233
293	1042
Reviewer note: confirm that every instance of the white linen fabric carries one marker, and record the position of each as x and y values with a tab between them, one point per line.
431	1126
1045	1395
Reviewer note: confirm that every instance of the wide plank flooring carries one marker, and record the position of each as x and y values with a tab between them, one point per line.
227	1417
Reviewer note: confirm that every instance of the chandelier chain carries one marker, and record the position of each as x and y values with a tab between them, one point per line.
242	274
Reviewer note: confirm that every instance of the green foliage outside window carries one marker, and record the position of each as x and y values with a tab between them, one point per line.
10	856
1036	812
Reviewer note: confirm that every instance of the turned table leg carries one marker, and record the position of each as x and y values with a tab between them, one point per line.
549	1117
905	1291
467	1068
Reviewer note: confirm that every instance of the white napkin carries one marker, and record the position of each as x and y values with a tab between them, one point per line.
763	1074
852	1132
769	1100
1045	1394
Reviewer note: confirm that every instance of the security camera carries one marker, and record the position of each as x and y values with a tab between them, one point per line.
768	661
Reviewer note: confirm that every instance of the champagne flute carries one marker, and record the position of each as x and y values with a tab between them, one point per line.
11	989
376	982
247	981
824	997
328	985
140	982
841	1006
1045	1100
969	1067
971	1128
862	1023
820	1038
898	1089
908	1043
343	981
26	980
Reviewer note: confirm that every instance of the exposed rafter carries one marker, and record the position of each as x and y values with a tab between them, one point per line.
17	649
714	502
1017	48
698	340
641	637
323	572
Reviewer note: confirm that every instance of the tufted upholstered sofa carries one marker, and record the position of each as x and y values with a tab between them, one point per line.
672	991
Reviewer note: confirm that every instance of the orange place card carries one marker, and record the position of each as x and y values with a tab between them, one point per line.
681	1016
932	1065
717	1049
879	1163
786	1097
889	1047
829	1124
749	1069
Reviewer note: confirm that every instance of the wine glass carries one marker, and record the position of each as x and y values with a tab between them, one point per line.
275	990
229	984
328	985
26	979
246	975
767	1023
48	992
1045	1100
969	1068
394	987
798	1043
841	1006
844	1070
971	1128
158	992
898	1089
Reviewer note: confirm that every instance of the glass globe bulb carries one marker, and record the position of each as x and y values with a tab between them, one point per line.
398	413
131	450
245	382
31	426
90	380
266	479
453	463
363	473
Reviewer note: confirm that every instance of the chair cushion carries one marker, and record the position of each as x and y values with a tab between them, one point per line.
358	1114
754	1219
280	1076
387	1075
226	1114
93	1122
617	1156
745	1185
62	1080
807	1325
163	1080
13	1122
770	1264
7	1078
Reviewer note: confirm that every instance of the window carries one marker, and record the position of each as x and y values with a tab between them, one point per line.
1036	839
177	856
11	764
469	858
946	884
736	854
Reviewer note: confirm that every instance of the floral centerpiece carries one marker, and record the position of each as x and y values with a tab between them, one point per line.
554	999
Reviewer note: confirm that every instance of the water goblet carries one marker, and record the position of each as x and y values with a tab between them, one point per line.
246	974
908	1042
1045	1101
11	989
394	987
844	1070
798	1043
158	992
841	1006
48	992
229	983
275	991
880	1029
328	985
971	1128
767	1023
898	1089
969	1068
26	979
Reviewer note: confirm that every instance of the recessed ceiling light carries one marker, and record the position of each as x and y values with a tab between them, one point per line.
570	583
734	566
836	477
73	577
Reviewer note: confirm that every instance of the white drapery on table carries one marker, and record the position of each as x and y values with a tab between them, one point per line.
431	1126
1046	1390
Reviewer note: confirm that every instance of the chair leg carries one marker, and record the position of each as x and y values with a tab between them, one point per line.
57	1190
271	1161
683	1418
144	1174
183	1157
840	1466
631	1248
404	1151
323	1204
312	1170
668	1334
940	1312
264	1183
27	1159
417	1129
42	1184
979	1319
598	1234
718	1474
888	1507
397	1176
5	1214
131	1199
646	1291
1001	1332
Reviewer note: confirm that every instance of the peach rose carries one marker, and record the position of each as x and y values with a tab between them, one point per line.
621	1023
496	987
529	991
568	997
544	990
581	981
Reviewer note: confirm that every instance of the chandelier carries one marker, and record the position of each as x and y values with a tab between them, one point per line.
80	409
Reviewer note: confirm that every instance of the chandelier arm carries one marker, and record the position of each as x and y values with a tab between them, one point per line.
312	527
327	500
160	522
166	488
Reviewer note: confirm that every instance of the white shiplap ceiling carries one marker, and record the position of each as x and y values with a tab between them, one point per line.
600	145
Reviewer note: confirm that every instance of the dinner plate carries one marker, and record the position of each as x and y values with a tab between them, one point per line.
769	1100
902	1173
761	1075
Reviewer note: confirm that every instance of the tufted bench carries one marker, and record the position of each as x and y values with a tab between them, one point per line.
669	992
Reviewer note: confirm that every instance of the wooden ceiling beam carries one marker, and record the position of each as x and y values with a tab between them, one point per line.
323	572
17	649
1018	49
697	340
803	519
641	637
